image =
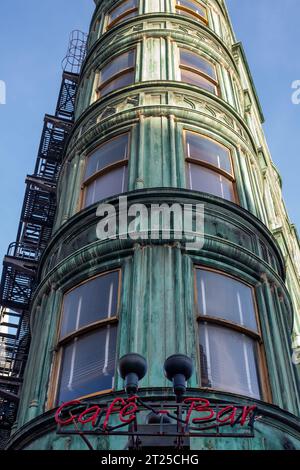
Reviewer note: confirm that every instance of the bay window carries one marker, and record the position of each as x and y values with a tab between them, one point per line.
192	9
106	170
123	11
117	73
209	167
231	357
198	71
87	338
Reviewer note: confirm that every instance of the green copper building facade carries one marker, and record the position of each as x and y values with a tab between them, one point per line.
167	113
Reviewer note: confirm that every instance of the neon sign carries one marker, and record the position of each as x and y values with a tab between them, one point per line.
193	417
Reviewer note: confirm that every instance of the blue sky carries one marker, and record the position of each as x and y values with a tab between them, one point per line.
270	33
33	41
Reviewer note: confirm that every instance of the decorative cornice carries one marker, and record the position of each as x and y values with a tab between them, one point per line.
239	49
187	30
79	249
183	101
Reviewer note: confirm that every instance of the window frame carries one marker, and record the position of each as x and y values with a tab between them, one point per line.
262	370
102	85
204	19
111	24
103	171
215	83
210	166
61	343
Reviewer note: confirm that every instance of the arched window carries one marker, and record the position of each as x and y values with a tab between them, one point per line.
231	352
117	73
198	71
106	170
209	167
123	11
193	9
87	338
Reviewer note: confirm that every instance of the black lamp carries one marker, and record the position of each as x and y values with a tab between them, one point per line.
132	368
155	418
179	369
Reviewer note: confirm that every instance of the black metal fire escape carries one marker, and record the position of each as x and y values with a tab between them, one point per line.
19	275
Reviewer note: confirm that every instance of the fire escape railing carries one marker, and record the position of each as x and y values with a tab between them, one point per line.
20	265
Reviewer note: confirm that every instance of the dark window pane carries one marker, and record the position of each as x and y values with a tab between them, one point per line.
90	302
195	79
196	62
132	14
88	364
221	296
205	180
192	6
112	151
122	8
200	148
124	80
229	361
188	14
109	184
122	62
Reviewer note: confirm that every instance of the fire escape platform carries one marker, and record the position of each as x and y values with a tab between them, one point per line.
24	266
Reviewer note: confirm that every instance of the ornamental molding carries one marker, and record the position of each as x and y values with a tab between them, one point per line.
185	102
94	257
231	232
181	29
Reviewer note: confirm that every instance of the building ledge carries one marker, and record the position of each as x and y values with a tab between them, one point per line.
270	416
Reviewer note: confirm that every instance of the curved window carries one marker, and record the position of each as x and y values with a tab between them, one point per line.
123	11
231	354
193	9
106	170
209	167
198	71
119	72
87	339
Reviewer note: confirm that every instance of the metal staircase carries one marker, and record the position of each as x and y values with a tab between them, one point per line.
19	275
